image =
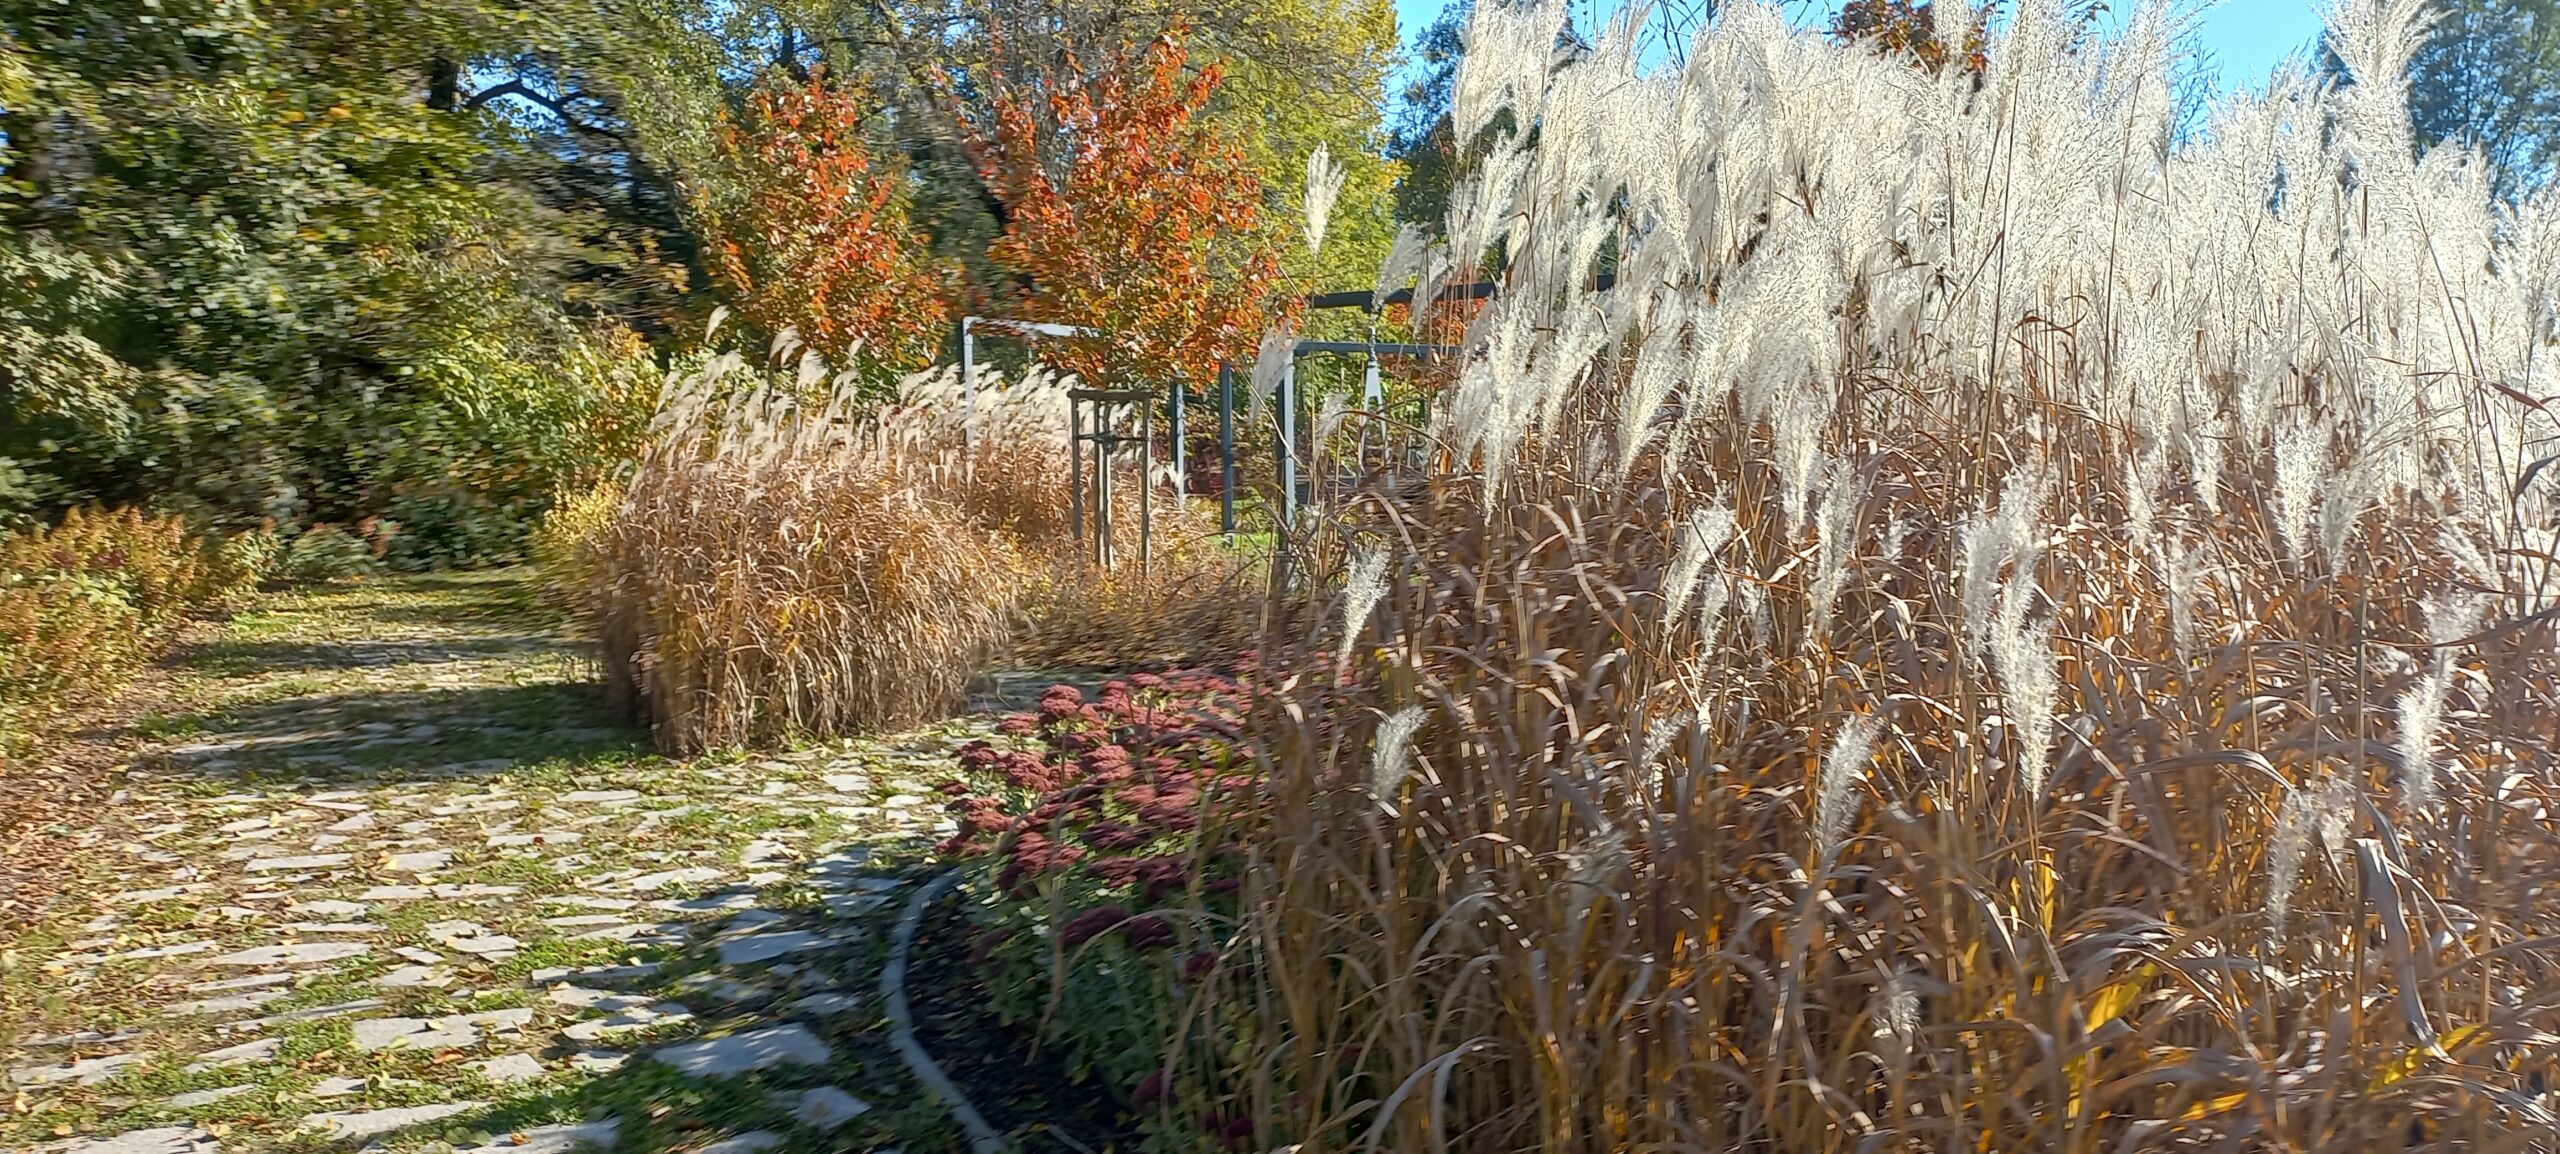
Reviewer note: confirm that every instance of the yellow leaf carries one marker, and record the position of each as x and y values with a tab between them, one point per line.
2409	1063
2110	1004
2041	869
2214	1106
2120	996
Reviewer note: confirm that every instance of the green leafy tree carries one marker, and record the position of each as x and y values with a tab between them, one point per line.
2488	76
289	259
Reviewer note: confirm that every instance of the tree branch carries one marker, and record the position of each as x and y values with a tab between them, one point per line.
557	105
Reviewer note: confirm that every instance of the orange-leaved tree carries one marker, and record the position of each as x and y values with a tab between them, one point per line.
811	230
1127	213
1910	30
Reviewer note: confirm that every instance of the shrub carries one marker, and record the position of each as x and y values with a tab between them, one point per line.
62	633
324	553
567	544
84	601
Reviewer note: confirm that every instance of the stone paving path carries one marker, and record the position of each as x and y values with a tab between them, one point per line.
396	883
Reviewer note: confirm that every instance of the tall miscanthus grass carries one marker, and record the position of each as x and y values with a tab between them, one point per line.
784	563
2005	628
791	558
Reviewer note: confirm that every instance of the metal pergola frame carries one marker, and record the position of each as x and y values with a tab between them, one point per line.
1292	489
1292	486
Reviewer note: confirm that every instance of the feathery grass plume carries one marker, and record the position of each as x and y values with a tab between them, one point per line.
2421	706
1660	362
2024	663
1835	530
1853	747
1388	753
2343	501
2302	464
1324	186
1362	588
1328	421
1435	267
1405	257
1703	536
2141	480
1897	1005
2178	564
2323	811
1271	361
2004	538
1795	432
1658	732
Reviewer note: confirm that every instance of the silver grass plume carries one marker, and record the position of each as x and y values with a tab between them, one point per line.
1324	186
2421	706
1834	525
2023	661
1362	590
2003	537
2302	463
1404	261
2421	709
1328	422
2342	503
2321	810
1659	362
1836	791
2179	564
1387	755
1271	364
1706	534
1658	733
1897	1007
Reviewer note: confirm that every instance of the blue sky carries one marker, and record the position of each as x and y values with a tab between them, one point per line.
2245	38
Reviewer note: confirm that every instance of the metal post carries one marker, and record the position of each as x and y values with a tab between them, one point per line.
1075	468
1181	454
1373	397
968	384
1227	449
1289	445
1102	423
1146	484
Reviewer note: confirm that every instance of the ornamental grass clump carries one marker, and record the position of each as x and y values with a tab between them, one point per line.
784	563
2003	626
790	558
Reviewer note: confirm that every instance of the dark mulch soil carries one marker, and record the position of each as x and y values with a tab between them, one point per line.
1022	1090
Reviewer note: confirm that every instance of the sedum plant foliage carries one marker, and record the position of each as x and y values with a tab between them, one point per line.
2006	627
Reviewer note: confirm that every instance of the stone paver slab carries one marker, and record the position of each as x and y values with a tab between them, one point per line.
743	1053
317	861
361	1124
299	954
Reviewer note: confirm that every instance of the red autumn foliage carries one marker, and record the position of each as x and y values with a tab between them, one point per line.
1128	213
818	238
